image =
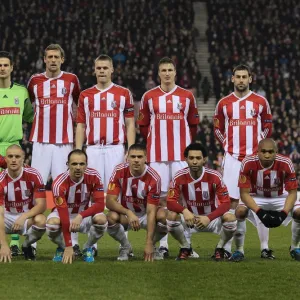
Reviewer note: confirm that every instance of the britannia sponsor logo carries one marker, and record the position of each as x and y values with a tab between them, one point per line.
53	101
200	204
273	189
134	200
10	111
104	114
247	122
165	116
17	204
76	205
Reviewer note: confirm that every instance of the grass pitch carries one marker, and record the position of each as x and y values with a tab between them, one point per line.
202	278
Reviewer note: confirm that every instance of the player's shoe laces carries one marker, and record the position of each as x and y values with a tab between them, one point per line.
237	256
267	254
184	254
295	254
29	253
77	251
88	255
124	253
15	251
58	256
164	251
158	255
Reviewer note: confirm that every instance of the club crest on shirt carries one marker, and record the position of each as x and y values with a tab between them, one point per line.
140	117
205	195
113	104
179	105
27	193
17	100
276	181
171	193
64	91
242	179
252	112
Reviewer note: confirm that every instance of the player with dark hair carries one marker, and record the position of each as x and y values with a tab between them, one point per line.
241	120
15	107
132	198
268	186
168	120
22	204
195	193
73	191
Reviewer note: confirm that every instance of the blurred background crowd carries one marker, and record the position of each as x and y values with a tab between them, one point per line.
263	34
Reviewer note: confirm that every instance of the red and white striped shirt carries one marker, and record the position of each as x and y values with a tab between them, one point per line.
135	192
200	196
2	162
18	194
269	182
240	123
53	99
103	112
169	116
77	195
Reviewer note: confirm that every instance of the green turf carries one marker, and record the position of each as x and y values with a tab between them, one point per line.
201	278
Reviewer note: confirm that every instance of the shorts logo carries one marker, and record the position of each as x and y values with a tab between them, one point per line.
216	123
171	193
17	100
64	91
205	195
111	186
59	201
243	179
140	117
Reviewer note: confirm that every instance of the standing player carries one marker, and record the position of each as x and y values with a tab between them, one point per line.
195	192
15	107
241	120
105	118
268	186
22	203
168	120
73	191
54	93
132	198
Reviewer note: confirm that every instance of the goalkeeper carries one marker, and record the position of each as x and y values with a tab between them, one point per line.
268	187
15	107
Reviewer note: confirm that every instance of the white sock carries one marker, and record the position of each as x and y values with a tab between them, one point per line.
228	245
34	234
95	233
188	236
117	232
239	235
74	238
295	234
160	231
263	234
175	228
164	242
227	231
55	235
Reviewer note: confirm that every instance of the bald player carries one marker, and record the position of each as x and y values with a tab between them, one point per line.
268	187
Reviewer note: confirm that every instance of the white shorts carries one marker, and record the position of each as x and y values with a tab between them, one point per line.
214	226
50	159
270	204
231	172
104	159
167	171
9	220
143	222
85	225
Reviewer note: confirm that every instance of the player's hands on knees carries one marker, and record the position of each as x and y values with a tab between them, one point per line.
68	256
133	221
201	222
19	224
75	223
5	254
149	252
189	218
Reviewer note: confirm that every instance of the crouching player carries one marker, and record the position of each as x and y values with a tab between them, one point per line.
138	188
194	193
72	191
22	203
268	188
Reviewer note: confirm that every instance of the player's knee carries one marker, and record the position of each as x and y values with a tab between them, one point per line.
100	219
53	221
173	216
228	217
161	215
112	218
241	212
296	215
39	220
